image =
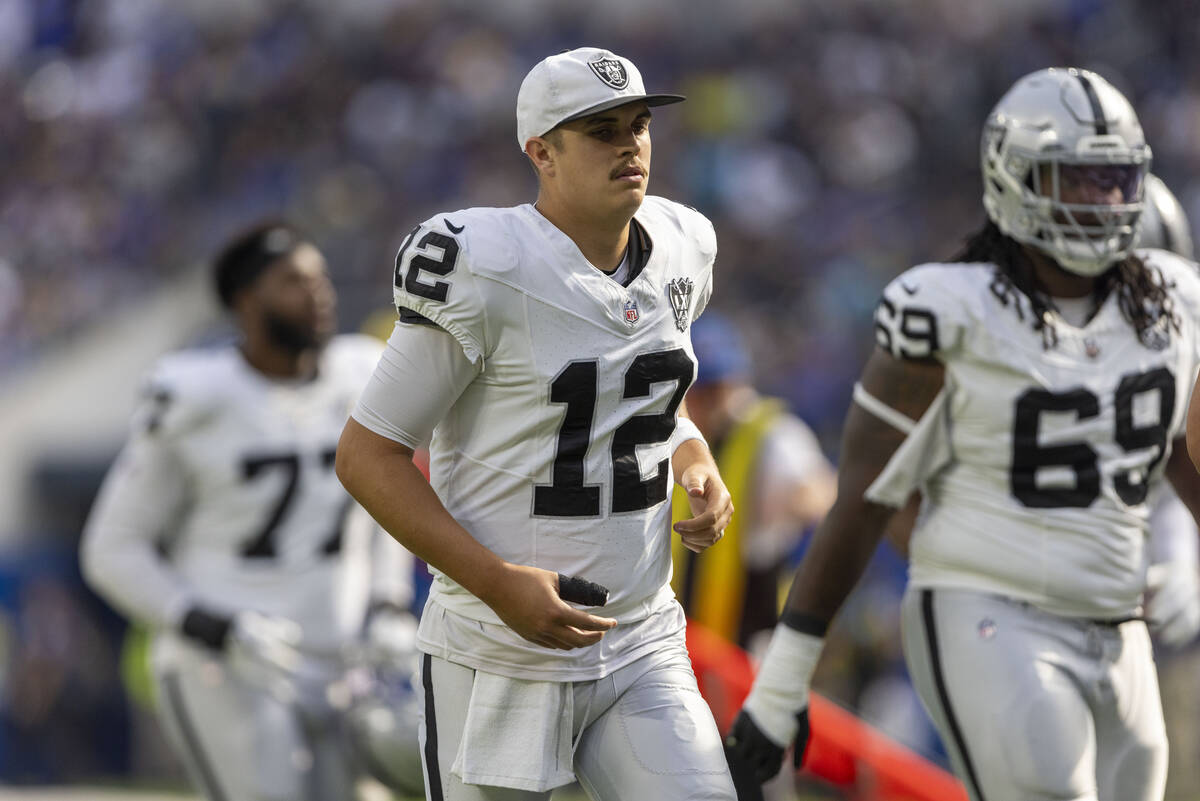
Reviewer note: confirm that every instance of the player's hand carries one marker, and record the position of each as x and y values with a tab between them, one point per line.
246	635
753	755
526	599
712	506
266	639
1173	602
263	650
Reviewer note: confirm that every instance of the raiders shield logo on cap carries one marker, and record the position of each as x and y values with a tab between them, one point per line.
611	71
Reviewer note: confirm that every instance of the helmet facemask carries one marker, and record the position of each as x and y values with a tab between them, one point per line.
1063	184
1090	214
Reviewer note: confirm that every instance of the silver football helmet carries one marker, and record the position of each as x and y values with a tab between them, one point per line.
1064	158
1164	223
383	719
384	707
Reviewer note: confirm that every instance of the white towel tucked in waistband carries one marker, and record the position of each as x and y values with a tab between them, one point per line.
517	734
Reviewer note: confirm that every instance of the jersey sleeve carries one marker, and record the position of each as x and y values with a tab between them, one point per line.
420	375
1181	277
143	494
923	313
925	451
433	280
706	240
1184	275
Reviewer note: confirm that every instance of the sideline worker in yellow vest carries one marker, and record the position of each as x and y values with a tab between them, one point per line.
780	481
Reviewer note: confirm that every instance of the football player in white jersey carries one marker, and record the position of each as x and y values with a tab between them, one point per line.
546	350
223	526
1173	600
1173	585
1034	391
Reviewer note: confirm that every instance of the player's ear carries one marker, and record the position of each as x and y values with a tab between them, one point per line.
541	153
244	305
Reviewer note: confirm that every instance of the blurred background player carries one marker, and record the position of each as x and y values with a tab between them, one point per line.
1173	600
1033	391
1172	605
780	481
1164	223
223	526
1173	596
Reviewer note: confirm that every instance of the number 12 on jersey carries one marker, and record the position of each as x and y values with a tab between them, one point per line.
576	387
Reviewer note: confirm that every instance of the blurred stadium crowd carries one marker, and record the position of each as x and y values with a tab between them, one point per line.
832	143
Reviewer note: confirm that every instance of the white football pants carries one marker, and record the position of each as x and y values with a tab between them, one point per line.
643	732
242	743
1032	706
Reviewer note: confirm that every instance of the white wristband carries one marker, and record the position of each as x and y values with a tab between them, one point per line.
685	429
781	686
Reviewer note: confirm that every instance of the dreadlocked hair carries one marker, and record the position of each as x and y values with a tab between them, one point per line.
1143	295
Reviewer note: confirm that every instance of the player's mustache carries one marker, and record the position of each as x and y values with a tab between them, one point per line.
632	165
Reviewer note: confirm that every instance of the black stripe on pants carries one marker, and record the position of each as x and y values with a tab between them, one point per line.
939	681
431	756
174	698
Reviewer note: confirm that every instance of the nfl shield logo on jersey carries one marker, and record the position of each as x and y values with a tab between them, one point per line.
631	312
680	292
611	71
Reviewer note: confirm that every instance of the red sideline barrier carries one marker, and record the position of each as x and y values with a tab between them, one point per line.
843	750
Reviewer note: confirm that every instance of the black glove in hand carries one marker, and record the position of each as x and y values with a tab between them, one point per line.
206	628
802	735
751	753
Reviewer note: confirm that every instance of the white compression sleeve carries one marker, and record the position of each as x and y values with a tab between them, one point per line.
685	429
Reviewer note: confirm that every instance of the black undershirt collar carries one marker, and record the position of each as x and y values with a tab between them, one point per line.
637	252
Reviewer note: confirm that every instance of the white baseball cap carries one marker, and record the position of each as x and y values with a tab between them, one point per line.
575	84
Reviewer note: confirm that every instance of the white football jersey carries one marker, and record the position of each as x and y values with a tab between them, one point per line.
1051	451
557	455
226	497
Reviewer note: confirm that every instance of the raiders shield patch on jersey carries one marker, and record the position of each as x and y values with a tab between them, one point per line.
680	292
611	71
